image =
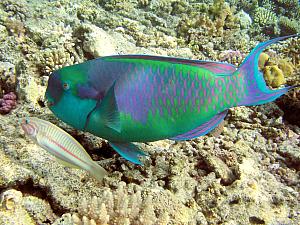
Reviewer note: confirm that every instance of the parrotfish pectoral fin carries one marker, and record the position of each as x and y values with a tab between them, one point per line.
254	83
107	111
128	151
203	128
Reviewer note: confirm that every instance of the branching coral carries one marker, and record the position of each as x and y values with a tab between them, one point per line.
119	207
288	26
289	4
264	17
53	59
232	56
217	20
16	9
292	50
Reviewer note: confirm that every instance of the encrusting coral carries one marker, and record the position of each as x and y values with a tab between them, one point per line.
274	76
275	69
8	102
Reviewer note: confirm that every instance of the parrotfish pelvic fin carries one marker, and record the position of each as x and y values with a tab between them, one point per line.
203	128
107	111
128	151
255	86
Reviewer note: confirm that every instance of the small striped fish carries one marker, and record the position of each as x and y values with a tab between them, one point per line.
61	145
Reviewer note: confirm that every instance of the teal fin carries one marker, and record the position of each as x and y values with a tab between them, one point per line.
107	111
202	129
128	151
256	88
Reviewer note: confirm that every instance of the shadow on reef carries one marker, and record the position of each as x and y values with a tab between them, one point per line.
290	104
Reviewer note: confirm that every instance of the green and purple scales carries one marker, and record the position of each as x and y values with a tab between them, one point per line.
140	98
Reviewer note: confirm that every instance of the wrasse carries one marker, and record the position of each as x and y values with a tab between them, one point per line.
142	98
61	145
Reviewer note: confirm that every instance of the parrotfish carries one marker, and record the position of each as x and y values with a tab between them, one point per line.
61	145
143	98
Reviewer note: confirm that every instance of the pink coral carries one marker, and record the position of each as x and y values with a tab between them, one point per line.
8	103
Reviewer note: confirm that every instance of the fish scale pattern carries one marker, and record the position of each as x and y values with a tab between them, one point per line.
166	91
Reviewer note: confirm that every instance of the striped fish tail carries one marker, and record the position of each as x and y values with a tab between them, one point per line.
97	171
257	91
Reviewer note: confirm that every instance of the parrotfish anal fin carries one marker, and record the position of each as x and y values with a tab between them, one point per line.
128	151
107	111
203	128
215	67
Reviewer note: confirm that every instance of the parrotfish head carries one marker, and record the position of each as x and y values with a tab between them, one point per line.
62	99
55	89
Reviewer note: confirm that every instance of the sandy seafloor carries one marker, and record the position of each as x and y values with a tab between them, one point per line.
247	172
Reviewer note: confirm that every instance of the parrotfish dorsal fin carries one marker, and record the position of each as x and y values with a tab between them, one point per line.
215	67
203	128
106	111
128	151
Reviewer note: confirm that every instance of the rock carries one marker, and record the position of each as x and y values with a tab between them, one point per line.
219	167
97	42
11	209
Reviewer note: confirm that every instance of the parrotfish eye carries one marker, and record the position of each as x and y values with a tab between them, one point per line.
66	86
27	120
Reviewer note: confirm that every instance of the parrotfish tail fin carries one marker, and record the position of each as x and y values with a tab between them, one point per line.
257	92
97	171
128	151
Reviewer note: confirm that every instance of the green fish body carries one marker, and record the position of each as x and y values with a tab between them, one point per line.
134	98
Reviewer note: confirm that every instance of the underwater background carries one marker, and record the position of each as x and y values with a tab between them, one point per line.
245	172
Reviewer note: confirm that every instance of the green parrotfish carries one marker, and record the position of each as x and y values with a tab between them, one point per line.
142	98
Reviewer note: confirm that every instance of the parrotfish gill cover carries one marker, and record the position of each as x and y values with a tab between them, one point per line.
141	98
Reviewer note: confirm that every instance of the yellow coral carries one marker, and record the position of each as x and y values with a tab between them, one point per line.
263	59
274	76
286	67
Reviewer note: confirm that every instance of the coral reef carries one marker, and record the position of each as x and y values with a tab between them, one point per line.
264	17
244	172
